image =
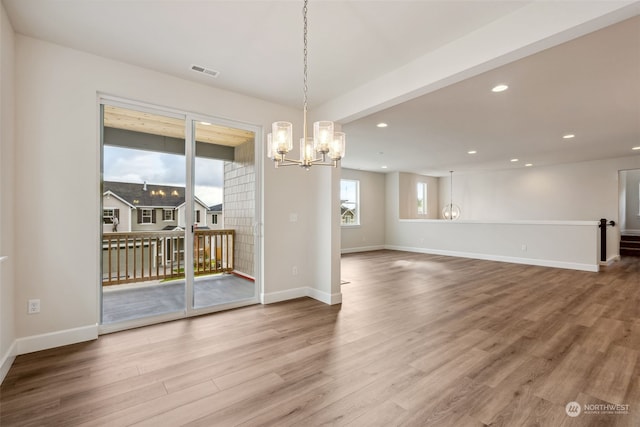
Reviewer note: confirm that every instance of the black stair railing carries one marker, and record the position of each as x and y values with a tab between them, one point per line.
603	237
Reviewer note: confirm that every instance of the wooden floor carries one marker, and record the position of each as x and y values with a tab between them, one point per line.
419	340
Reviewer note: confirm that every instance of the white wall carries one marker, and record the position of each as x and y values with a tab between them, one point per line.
574	191
631	220
369	235
7	143
57	148
584	191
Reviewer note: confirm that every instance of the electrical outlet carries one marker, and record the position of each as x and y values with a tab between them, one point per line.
33	306
524	247
294	271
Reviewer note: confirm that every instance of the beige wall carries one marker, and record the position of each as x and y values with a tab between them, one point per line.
7	192
370	233
58	147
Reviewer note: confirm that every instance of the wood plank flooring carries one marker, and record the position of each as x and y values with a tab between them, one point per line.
419	340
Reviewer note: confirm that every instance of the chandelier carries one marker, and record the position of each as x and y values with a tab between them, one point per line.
451	211
325	148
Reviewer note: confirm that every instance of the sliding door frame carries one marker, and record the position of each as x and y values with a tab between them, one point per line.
190	119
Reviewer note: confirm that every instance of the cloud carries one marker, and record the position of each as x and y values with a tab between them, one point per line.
138	166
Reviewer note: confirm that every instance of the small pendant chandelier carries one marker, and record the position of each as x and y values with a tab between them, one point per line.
325	148
451	211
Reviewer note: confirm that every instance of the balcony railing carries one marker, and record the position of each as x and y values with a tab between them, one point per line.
131	257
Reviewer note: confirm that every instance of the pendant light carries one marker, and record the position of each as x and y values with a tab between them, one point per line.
325	148
451	211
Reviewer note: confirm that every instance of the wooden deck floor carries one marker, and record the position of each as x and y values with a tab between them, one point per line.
419	340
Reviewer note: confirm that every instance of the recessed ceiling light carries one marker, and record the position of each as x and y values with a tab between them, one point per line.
500	88
568	136
205	123
384	167
382	125
529	164
636	148
471	152
515	160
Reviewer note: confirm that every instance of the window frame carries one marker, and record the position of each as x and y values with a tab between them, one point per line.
171	214
424	209
143	216
356	210
106	219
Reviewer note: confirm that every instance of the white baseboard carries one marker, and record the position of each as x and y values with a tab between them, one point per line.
7	361
272	297
324	297
56	339
361	249
502	258
610	260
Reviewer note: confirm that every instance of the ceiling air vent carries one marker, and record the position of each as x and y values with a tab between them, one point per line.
208	71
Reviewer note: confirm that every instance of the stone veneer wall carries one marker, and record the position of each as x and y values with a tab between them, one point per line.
239	205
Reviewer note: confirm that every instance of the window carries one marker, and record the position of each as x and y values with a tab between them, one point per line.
146	216
197	216
167	214
214	219
349	202
109	214
421	189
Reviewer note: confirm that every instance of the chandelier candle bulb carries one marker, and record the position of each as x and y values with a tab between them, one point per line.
322	136
306	150
338	146
283	133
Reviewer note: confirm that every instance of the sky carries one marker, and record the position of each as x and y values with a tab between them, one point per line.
137	166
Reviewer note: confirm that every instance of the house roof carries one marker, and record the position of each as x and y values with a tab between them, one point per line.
216	208
154	195
110	193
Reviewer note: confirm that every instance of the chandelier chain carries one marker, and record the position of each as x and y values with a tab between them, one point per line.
325	148
306	67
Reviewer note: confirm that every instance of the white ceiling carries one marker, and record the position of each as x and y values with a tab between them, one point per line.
589	86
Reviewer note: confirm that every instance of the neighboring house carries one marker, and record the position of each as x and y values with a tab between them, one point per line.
216	217
114	206
347	215
147	207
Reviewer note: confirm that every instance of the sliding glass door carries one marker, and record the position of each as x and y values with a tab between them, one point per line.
167	250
